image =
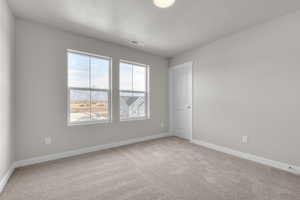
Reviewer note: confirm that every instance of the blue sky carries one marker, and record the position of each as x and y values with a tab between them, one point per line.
131	77
79	72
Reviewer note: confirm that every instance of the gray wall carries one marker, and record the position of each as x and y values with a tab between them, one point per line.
248	84
6	87
41	92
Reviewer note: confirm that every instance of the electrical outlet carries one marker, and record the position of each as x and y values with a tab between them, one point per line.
245	139
48	140
162	124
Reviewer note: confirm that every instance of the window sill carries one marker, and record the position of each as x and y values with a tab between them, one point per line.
135	119
104	122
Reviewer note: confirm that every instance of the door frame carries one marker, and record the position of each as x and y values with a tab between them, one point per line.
170	95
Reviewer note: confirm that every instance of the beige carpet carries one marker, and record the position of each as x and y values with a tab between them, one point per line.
164	169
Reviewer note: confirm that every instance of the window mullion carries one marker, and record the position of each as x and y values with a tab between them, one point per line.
78	88
131	77
90	88
146	92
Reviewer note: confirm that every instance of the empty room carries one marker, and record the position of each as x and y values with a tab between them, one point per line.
150	100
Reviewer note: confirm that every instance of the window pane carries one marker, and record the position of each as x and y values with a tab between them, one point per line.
125	76
132	105
100	106
80	105
100	73
78	70
139	78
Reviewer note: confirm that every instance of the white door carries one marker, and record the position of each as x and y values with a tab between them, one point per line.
180	87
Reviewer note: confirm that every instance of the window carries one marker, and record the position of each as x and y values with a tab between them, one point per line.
134	92
89	88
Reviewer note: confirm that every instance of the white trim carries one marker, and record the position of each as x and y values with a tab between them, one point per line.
134	119
41	159
146	92
133	63
5	178
22	163
84	53
109	90
275	164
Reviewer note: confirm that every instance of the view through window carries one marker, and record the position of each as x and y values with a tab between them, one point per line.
88	87
133	91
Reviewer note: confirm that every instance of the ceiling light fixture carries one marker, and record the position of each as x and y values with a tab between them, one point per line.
163	3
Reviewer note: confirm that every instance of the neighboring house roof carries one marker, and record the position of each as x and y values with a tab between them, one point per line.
131	100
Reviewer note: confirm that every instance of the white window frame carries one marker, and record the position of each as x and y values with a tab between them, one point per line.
109	90
147	92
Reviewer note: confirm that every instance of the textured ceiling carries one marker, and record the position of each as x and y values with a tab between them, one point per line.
167	32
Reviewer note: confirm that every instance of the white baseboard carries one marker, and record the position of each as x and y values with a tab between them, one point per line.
251	157
5	178
261	160
22	163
